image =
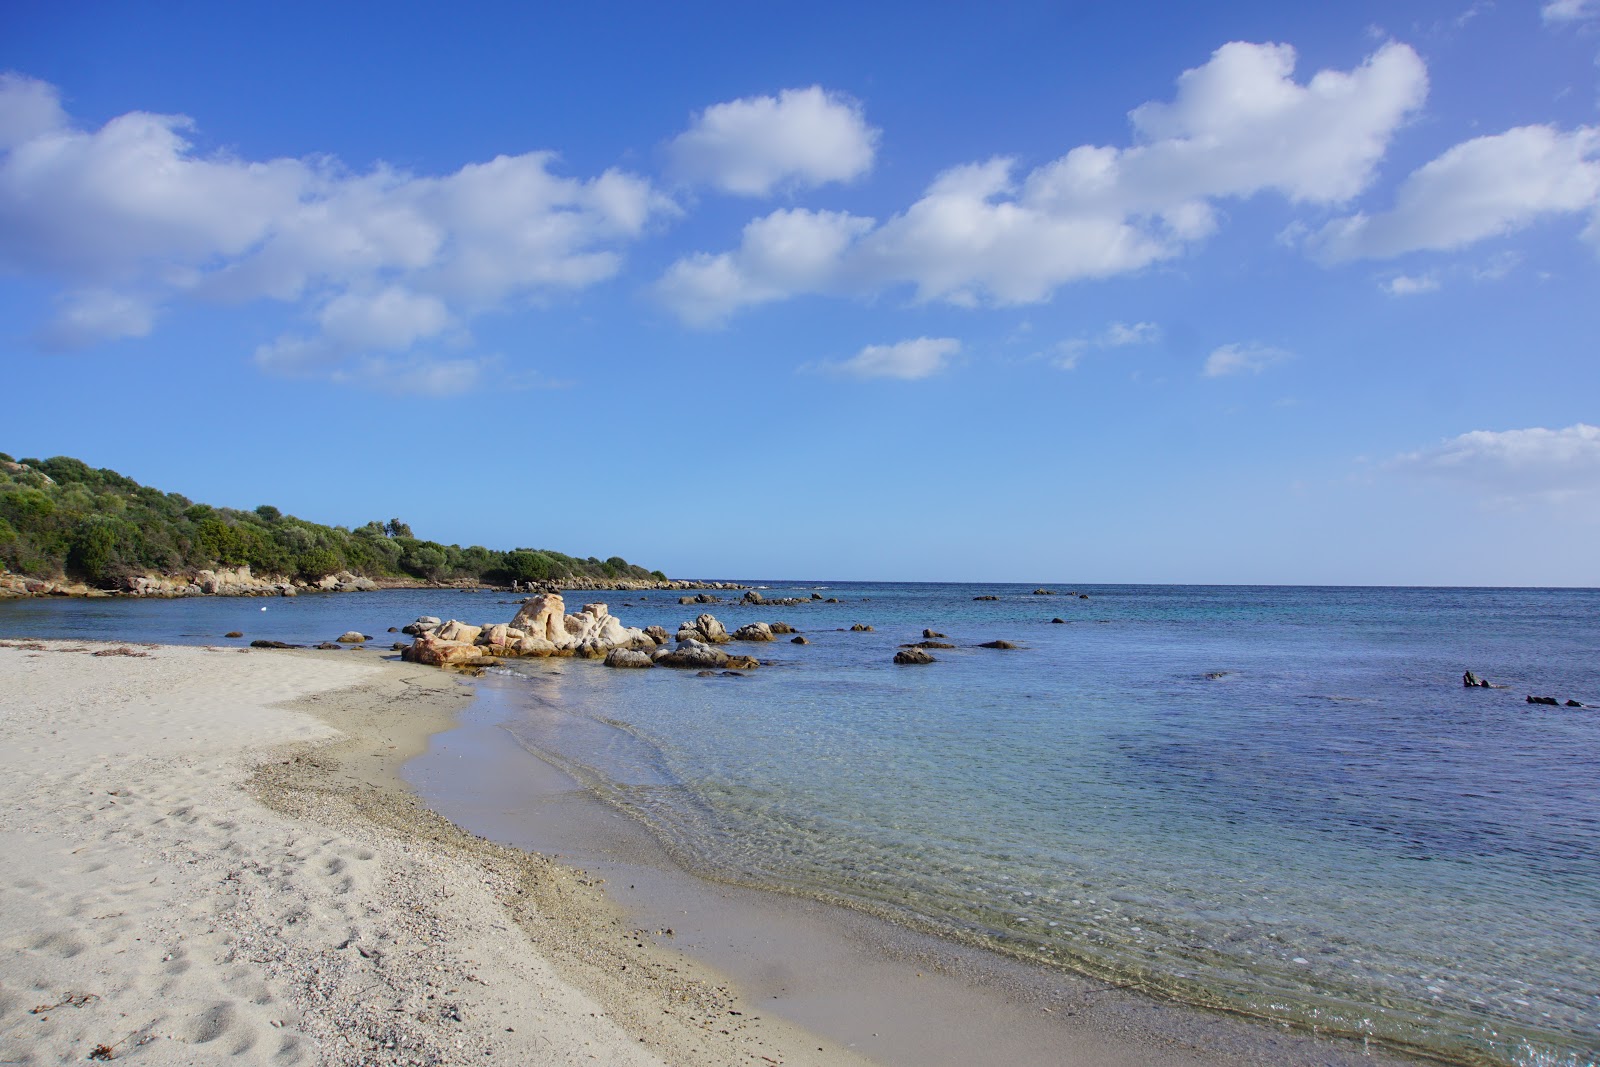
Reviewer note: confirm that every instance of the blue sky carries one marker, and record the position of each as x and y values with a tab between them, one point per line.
1256	292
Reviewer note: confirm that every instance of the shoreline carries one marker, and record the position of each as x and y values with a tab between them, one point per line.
900	996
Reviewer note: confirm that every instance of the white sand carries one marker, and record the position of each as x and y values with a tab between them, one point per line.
164	897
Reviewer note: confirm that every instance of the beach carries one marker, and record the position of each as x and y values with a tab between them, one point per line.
212	855
208	859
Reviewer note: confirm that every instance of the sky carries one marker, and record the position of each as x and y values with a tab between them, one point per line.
1258	292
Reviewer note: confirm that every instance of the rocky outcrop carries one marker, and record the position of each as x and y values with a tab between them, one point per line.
352	637
997	644
861	628
658	634
705	629
908	656
541	627
931	633
628	657
783	628
755	631
798	641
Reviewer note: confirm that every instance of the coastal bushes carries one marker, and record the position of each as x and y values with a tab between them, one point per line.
59	517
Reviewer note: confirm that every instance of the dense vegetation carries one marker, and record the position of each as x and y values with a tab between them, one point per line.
60	517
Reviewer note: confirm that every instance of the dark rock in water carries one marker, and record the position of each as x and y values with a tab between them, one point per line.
931	633
705	674
985	598
747	663
399	646
799	641
907	656
352	637
1083	596
1044	592
831	600
930	644
1574	704
997	644
733	674
658	634
332	646
273	644
394	629
751	597
1059	621
1214	675
1472	681
1544	700
816	596
782	628
860	628
233	633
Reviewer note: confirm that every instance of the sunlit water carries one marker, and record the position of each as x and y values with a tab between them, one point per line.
1279	801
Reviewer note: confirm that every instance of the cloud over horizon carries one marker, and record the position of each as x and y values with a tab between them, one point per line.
1506	465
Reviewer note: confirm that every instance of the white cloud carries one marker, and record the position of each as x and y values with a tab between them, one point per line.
800	138
380	261
1067	354
1508	464
1238	126
1562	11
907	360
1480	188
780	255
1242	358
1411	284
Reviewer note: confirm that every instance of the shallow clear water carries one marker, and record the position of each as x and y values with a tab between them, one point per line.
1275	800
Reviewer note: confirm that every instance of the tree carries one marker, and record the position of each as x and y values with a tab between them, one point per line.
396	528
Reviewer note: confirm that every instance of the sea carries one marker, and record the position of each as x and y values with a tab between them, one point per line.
1275	801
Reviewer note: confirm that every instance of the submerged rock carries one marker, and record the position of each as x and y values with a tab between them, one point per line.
273	644
691	653
860	628
908	656
997	644
931	633
798	641
1543	700
1058	620
352	637
234	633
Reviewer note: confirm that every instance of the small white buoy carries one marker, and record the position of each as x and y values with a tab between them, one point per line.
263	609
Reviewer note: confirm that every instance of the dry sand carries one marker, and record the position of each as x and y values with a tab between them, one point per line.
205	857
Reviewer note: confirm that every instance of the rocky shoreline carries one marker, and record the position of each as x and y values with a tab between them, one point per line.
239	581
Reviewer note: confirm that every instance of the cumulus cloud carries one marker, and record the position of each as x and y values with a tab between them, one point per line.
1069	353
131	217
982	233
780	255
1511	464
1242	359
800	138
1480	188
907	360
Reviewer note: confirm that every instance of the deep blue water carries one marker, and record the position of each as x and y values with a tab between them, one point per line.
1275	800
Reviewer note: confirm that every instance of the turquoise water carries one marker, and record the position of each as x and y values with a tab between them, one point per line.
1279	801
